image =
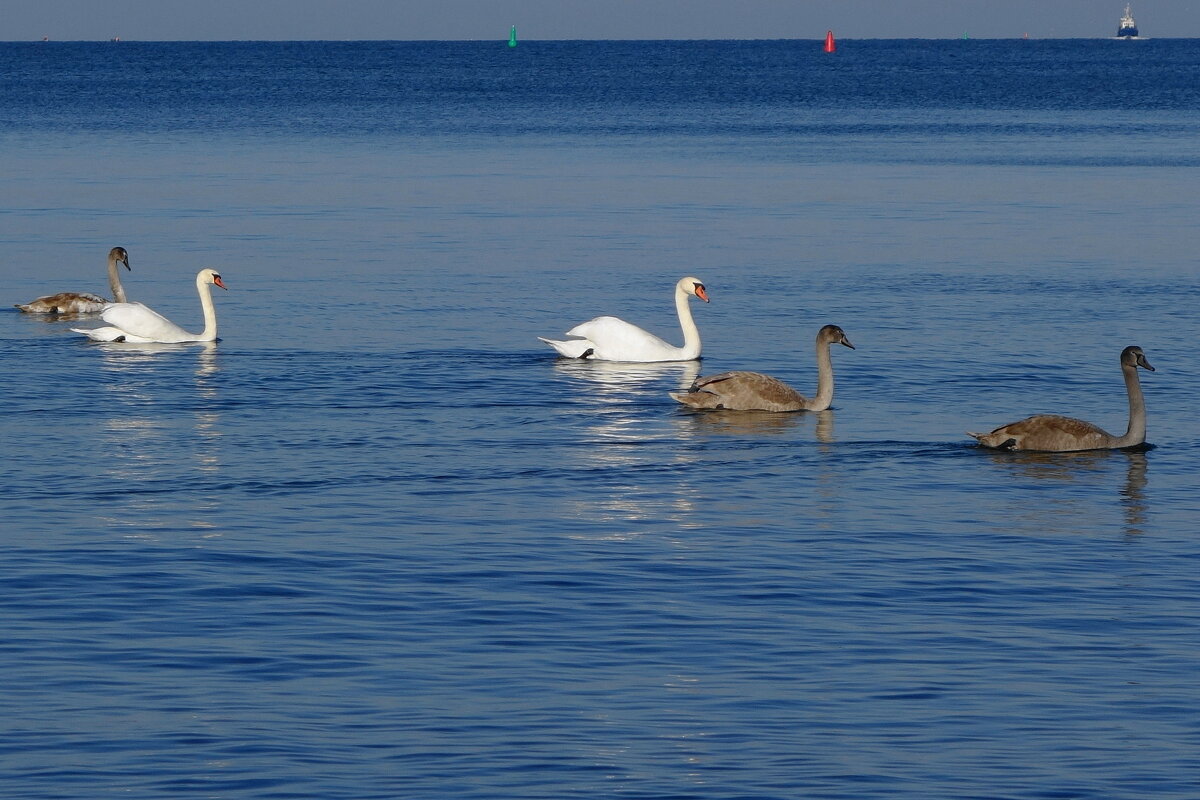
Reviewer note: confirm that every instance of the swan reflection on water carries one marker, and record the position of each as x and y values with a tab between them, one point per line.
152	348
208	421
150	431
634	484
122	357
616	426
627	379
1087	467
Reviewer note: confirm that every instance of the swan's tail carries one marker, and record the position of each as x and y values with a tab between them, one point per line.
102	334
571	348
697	399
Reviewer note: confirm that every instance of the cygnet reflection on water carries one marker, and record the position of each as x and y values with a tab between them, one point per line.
742	423
1083	467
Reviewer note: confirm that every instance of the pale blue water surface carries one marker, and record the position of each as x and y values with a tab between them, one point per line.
377	542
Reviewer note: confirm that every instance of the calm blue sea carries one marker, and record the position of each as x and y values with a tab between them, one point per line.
378	542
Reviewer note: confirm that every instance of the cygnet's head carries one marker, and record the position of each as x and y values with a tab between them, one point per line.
1133	356
119	254
834	335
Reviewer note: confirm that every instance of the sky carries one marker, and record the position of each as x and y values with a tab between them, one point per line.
187	20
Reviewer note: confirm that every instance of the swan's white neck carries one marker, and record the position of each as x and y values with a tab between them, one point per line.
691	334
1136	432
210	312
824	396
114	280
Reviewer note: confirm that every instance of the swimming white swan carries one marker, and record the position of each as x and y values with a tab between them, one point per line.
753	391
613	339
134	322
83	302
1052	433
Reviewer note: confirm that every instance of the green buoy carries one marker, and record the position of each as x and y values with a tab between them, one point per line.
512	37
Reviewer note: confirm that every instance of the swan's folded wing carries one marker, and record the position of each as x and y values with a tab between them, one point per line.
137	319
614	332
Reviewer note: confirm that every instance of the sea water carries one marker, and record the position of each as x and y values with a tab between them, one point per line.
378	542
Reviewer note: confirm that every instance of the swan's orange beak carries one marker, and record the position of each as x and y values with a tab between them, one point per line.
217	280
701	293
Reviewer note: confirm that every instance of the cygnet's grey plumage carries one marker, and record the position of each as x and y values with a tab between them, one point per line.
753	391
1052	433
83	302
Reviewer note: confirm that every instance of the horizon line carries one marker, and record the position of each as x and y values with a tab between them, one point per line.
819	38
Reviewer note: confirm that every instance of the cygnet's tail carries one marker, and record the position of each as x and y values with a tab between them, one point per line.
697	399
999	439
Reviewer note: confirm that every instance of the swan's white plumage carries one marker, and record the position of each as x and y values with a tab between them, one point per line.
135	322
614	339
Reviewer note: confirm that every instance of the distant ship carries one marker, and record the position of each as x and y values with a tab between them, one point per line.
1128	29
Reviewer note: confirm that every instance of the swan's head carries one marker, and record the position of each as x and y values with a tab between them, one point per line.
1133	356
694	286
834	335
118	254
211	276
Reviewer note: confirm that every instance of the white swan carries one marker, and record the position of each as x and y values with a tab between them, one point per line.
134	322
1052	433
753	391
613	339
83	302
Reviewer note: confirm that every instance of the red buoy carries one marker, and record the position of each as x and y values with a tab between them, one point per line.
829	45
